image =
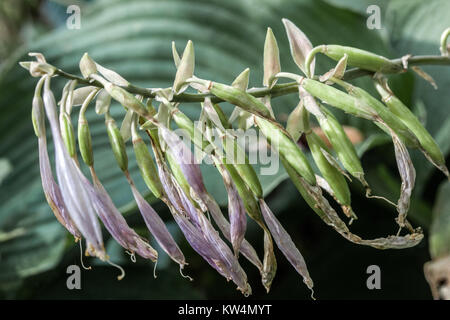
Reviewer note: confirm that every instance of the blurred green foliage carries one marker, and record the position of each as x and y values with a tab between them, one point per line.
133	38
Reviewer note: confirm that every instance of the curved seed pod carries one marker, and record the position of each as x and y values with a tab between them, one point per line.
146	164
127	99
335	179
444	48
68	134
338	99
285	244
157	227
342	145
239	98
300	47
315	199
359	58
427	143
288	148
271	59
117	143
408	176
116	224
384	113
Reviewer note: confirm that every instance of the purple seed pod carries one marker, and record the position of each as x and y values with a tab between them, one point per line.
185	158
236	213
246	248
285	243
200	234
53	192
157	227
116	224
73	183
51	189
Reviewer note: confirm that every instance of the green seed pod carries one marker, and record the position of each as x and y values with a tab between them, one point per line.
295	178
335	179
287	148
342	145
126	99
405	115
37	116
239	98
68	134
178	174
117	143
85	142
360	58
391	120
145	163
337	98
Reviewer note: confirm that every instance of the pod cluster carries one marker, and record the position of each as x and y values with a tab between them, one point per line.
172	174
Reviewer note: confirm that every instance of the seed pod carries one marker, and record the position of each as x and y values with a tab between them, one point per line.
427	143
338	99
360	58
126	99
285	244
342	145
271	59
68	134
288	148
314	198
239	98
384	113
145	162
185	69
85	142
37	116
117	143
335	179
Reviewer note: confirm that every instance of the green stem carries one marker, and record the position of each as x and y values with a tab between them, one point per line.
275	91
